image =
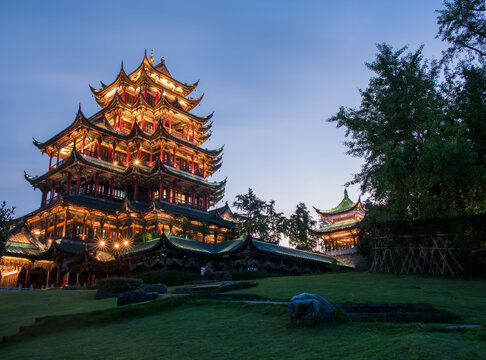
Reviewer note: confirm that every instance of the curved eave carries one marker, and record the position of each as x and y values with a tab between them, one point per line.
291	254
326	213
121	78
198	248
145	65
324	231
41	255
143	248
79	120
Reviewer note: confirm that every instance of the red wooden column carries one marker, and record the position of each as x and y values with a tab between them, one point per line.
68	185
192	132
113	153
161	152
96	184
112	182
78	182
58	154
160	189
99	147
120	120
50	161
170	123
192	166
142	123
53	189
173	192
82	144
27	276
135	190
174	158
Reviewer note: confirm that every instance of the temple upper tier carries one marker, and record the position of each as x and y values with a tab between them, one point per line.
137	165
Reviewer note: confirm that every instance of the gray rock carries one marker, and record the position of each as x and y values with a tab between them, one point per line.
311	310
158	288
135	296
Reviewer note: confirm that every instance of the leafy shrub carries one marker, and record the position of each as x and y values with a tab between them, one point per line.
109	287
247	275
169	278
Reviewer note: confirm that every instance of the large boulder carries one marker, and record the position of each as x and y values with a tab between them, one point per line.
311	310
135	296
158	288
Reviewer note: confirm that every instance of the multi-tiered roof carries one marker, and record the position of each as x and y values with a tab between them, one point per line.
143	132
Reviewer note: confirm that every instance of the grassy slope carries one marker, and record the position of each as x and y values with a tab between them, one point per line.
243	331
21	308
466	298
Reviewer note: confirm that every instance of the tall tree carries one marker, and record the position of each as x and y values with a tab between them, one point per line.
418	160
259	218
388	129
5	219
463	25
299	227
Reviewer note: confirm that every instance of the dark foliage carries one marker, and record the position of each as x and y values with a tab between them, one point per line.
248	275
5	219
169	278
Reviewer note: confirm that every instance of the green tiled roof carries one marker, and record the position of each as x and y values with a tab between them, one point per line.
190	245
194	213
147	245
338	226
92	202
70	246
205	248
228	245
14	248
301	254
345	205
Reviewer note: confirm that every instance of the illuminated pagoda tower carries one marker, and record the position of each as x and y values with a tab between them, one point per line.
340	229
134	167
127	190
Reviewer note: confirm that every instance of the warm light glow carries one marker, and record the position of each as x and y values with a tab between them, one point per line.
64	151
115	163
37	232
125	243
49	241
137	162
102	243
117	246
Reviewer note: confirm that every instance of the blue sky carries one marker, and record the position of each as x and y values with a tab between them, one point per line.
273	72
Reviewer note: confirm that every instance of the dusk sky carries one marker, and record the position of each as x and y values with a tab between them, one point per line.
273	72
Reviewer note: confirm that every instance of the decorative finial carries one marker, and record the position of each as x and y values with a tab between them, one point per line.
346	193
151	59
162	60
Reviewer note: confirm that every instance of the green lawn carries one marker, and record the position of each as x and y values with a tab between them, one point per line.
217	330
22	307
466	298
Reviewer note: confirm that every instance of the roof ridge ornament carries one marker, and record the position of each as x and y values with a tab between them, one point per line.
151	58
